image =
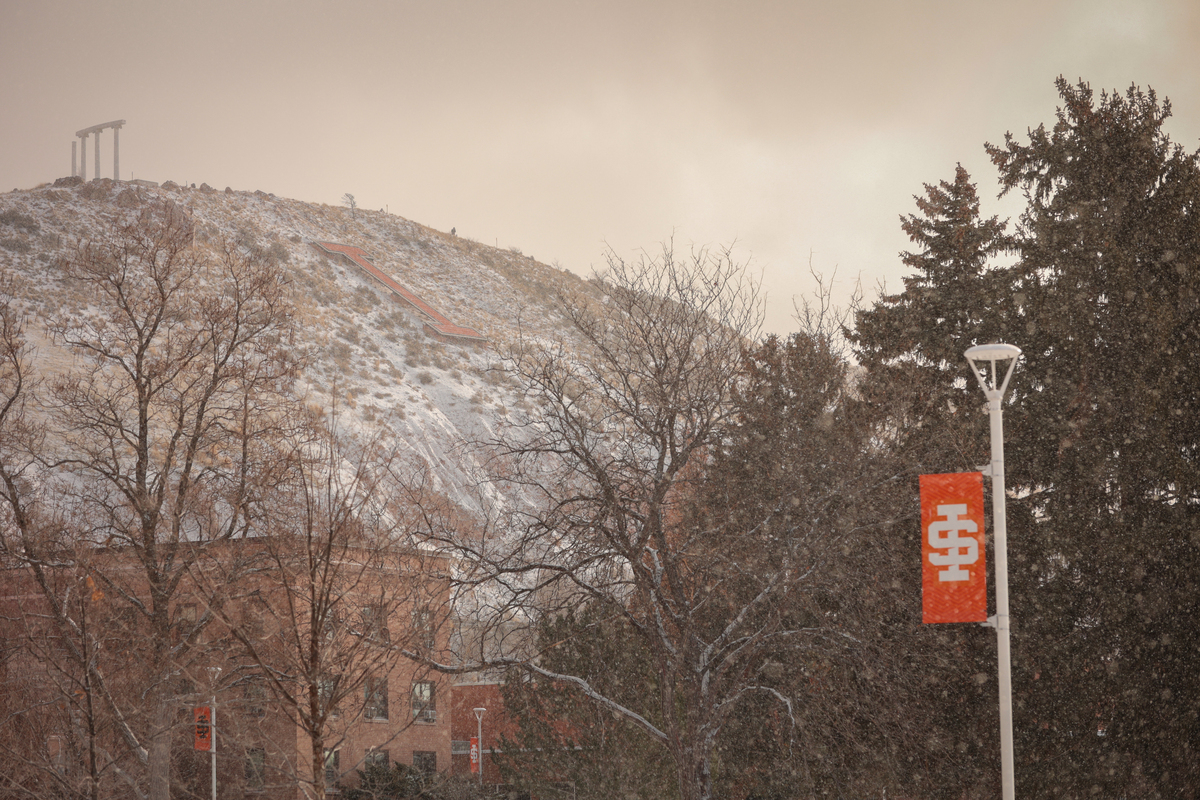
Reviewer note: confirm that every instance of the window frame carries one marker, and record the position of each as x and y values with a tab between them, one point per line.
327	689
376	756
424	709
375	626
424	631
255	769
333	772
375	697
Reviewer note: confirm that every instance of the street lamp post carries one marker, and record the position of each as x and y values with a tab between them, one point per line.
214	674
993	389
479	712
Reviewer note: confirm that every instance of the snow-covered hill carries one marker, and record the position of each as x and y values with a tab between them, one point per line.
371	348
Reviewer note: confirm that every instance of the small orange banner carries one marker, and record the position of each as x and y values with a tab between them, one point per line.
953	578
474	755
203	717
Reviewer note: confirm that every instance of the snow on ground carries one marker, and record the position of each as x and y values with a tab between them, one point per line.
370	348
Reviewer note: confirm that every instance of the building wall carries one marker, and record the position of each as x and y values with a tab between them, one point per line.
261	751
469	695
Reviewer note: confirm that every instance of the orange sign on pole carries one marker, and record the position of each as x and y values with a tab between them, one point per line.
953	578
203	717
474	755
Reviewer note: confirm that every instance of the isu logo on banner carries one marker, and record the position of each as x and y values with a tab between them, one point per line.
474	755
953	579
203	718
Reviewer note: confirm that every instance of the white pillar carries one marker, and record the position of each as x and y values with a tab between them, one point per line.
97	155
83	156
116	152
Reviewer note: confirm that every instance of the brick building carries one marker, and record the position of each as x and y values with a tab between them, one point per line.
69	727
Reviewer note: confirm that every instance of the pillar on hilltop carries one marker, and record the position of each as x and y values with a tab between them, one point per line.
95	130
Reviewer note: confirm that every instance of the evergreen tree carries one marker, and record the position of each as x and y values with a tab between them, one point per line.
955	298
911	347
561	738
1101	430
861	703
1105	443
838	701
878	700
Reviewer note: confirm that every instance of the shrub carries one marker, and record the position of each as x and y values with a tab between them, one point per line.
16	219
381	782
279	252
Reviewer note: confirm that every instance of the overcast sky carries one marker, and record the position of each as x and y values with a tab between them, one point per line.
796	129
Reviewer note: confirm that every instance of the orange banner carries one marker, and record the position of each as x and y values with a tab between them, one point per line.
474	755
203	717
953	578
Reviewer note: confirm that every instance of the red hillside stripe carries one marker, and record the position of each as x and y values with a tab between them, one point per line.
439	322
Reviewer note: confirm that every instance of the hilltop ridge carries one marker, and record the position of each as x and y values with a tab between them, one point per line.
371	352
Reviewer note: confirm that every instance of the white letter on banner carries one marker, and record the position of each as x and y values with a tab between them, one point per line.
960	550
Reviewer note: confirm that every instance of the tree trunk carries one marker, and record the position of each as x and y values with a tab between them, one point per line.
695	775
160	754
318	767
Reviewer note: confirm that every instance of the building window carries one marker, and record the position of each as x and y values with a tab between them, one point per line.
332	773
376	759
425	761
332	625
424	701
327	696
58	754
256	769
254	616
376	697
375	624
185	621
423	630
255	695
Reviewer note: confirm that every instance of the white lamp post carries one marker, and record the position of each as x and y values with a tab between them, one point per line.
993	389
214	674
479	712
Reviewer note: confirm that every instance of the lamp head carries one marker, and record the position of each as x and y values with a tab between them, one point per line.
992	352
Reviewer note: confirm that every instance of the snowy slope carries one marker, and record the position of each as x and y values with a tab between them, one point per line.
426	393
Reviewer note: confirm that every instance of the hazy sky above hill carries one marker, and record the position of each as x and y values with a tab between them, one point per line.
794	128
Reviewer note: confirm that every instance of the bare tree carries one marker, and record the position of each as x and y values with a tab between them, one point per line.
52	719
154	442
336	589
349	202
52	731
615	450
